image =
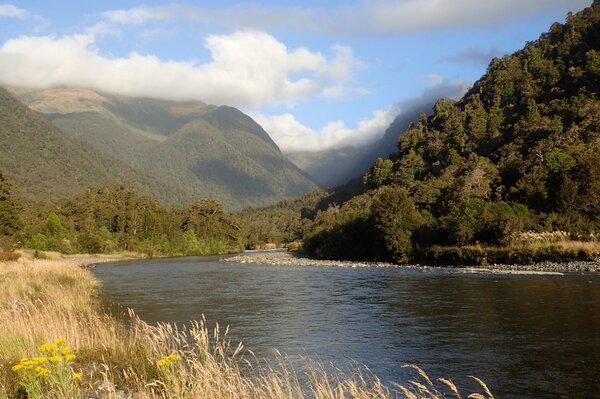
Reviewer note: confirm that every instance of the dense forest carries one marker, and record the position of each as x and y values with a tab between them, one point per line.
113	218
520	152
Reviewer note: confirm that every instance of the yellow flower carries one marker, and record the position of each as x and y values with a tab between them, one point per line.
42	371
70	357
165	361
55	359
29	363
60	342
48	348
77	376
17	367
66	350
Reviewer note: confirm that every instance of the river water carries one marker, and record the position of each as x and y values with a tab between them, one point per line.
527	336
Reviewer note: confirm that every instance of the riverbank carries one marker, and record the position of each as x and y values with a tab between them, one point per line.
291	258
81	260
282	257
57	342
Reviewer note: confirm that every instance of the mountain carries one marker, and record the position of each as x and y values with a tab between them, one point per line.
519	152
201	150
47	164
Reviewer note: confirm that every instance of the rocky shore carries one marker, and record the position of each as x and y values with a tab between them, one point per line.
287	258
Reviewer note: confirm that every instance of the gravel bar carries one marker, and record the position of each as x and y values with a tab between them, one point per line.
286	258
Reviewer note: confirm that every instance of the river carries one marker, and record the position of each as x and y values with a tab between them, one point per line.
527	336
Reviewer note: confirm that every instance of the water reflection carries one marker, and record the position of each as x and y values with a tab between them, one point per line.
527	336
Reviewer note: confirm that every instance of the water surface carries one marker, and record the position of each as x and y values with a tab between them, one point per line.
532	336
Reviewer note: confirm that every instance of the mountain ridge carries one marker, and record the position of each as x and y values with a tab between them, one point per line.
187	144
47	164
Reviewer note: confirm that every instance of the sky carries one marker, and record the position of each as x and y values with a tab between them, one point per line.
316	75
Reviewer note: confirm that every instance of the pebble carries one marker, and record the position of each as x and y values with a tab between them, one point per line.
285	258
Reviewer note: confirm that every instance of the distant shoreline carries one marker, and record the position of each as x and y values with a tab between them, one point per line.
288	258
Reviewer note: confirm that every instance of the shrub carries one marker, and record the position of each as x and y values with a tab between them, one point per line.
353	239
464	221
500	220
395	217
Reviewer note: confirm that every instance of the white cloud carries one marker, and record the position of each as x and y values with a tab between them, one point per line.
143	14
366	17
11	11
292	136
247	69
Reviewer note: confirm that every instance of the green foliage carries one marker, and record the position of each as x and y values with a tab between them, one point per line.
114	218
54	226
464	221
9	218
48	165
346	232
395	218
380	173
352	239
558	162
285	222
500	220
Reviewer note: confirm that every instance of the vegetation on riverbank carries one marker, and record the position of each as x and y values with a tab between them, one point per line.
114	218
55	342
516	254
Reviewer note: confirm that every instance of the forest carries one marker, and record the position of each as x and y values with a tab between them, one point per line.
516	161
114	218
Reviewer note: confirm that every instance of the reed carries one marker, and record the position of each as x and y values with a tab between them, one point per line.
43	301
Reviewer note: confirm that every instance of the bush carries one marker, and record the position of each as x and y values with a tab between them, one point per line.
354	239
464	221
395	218
501	220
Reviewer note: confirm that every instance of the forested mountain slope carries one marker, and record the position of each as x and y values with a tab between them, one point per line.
201	150
520	151
47	164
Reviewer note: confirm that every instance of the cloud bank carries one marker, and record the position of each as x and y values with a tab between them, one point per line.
292	136
387	17
247	69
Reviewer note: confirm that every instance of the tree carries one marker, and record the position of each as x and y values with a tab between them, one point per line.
10	222
379	174
55	228
395	217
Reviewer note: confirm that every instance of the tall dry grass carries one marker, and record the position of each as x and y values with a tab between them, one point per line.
42	301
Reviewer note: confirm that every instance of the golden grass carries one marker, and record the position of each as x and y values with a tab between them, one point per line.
534	237
30	254
590	247
41	301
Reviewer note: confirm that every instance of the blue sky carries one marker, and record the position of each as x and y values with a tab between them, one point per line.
316	75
